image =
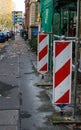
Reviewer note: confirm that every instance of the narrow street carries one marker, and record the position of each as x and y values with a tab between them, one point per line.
23	105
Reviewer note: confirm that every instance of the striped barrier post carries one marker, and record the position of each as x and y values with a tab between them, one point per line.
62	68
42	56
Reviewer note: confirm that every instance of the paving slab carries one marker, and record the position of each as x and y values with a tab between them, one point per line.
9	119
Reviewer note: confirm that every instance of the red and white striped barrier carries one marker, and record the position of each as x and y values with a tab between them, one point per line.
42	56
62	61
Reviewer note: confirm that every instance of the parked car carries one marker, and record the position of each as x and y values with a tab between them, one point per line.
2	37
6	35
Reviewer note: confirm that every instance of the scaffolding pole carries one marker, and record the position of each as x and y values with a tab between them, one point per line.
76	55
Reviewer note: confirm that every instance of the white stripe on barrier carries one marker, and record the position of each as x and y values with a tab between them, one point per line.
62	58
43	61
42	44
62	88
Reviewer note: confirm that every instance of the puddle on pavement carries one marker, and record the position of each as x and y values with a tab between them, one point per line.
5	88
24	114
43	96
47	105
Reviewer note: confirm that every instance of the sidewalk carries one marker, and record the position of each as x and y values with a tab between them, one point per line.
47	83
9	99
9	89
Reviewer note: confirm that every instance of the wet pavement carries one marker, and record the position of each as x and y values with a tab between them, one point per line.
27	104
9	88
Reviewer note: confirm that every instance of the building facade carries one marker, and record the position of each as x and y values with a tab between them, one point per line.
31	15
27	14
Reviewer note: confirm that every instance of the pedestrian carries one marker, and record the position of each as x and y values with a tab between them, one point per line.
12	35
25	35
